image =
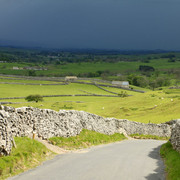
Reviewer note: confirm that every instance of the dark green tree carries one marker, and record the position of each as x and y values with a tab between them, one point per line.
35	98
31	73
153	84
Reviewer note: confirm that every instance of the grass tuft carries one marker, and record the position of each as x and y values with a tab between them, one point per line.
143	136
86	139
172	161
28	154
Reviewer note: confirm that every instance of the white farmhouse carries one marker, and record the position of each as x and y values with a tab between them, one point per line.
71	78
15	68
124	84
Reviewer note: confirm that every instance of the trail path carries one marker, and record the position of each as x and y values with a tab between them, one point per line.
51	147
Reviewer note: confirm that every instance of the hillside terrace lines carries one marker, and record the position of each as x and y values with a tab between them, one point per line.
34	84
79	81
62	95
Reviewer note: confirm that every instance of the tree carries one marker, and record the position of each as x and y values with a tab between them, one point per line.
31	73
137	80
123	94
35	98
171	60
168	56
146	68
142	81
153	84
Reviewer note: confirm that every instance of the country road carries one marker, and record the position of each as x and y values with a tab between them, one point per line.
126	160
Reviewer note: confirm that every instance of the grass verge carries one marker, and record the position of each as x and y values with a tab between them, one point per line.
28	154
86	139
142	136
172	161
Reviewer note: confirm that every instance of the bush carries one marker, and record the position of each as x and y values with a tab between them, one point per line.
35	98
137	80
31	73
146	68
123	94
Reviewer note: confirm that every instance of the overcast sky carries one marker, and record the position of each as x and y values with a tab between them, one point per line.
111	24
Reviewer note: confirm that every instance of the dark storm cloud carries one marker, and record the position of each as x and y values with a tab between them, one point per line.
123	24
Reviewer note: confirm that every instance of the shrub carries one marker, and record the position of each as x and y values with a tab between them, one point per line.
35	98
123	94
146	68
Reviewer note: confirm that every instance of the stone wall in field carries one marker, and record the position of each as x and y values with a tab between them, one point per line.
175	136
5	135
47	123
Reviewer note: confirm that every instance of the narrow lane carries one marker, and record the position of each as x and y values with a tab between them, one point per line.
127	160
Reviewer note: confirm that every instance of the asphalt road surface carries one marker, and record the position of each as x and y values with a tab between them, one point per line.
126	160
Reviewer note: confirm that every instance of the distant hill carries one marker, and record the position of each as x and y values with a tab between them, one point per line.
17	45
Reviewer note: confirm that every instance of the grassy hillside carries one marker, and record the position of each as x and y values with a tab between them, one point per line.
153	106
11	80
25	90
85	67
28	154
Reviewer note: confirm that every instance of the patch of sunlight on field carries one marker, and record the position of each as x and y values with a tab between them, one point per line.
152	106
144	109
8	80
13	90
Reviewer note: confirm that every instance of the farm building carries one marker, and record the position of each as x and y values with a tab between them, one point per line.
16	68
35	68
124	84
71	78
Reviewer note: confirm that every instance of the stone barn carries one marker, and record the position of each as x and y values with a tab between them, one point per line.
124	84
71	78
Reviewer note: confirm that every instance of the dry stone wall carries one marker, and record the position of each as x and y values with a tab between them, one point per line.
5	135
47	123
175	136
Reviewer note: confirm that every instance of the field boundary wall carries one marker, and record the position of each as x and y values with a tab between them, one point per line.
47	123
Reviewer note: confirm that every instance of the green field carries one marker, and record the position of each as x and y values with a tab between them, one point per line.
86	67
13	90
10	80
153	106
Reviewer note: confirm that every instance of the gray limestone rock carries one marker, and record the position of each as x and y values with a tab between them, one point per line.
47	123
5	137
175	136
